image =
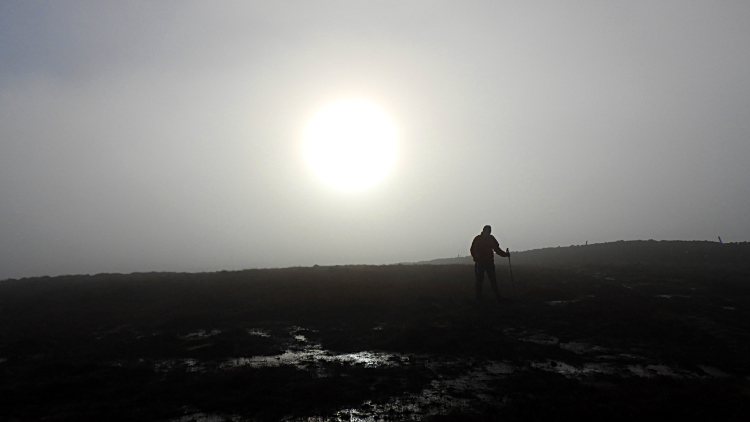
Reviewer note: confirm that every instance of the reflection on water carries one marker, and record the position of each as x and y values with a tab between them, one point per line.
443	395
303	358
571	371
541	339
200	334
188	365
458	384
605	368
581	348
258	332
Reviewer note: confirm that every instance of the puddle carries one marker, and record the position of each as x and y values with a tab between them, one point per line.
581	348
650	371
730	308
310	356
188	365
556	366
471	391
258	332
447	392
671	296
640	371
541	339
570	371
302	353
441	397
200	334
3	360
620	356
604	368
301	359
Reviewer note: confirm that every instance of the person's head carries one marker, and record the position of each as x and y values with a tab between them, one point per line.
486	230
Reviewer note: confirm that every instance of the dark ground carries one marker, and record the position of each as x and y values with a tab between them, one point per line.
588	341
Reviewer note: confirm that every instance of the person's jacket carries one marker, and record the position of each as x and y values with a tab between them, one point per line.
482	249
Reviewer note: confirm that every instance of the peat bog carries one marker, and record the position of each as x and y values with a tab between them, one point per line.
612	341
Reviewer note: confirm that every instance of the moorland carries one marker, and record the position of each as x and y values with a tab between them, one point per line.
616	331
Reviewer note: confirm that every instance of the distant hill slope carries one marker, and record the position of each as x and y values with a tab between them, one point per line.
633	251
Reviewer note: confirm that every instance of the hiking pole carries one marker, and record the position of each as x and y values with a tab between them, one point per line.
511	273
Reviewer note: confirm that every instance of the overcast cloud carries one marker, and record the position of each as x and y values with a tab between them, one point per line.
166	135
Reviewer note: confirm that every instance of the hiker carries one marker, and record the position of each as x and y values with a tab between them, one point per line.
484	259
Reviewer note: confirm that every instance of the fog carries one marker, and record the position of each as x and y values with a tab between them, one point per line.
166	136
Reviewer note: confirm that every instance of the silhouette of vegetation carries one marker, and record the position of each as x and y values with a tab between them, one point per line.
156	346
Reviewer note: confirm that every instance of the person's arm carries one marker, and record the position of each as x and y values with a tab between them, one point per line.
502	252
473	242
496	248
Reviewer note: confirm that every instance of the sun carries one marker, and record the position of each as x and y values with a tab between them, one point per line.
350	144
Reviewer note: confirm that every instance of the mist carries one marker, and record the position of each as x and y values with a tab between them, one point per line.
140	137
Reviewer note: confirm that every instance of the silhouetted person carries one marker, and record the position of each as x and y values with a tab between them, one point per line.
482	250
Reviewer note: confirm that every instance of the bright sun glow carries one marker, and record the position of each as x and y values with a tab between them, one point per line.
350	144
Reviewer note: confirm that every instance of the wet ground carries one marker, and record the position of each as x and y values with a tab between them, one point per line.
615	342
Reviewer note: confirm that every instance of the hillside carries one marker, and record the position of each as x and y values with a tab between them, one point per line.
627	252
593	341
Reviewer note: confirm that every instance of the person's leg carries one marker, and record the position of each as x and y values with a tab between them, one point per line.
493	280
479	274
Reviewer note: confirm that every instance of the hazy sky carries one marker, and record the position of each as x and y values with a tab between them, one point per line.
167	135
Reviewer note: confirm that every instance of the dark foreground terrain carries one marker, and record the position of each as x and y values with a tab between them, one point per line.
617	341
